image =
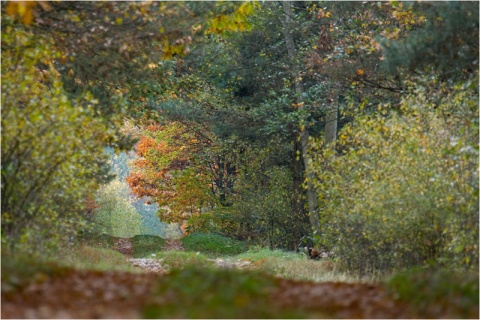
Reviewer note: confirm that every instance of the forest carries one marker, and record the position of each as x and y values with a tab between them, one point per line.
192	159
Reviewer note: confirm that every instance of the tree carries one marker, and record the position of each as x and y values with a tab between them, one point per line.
167	171
115	214
249	107
444	42
52	153
303	134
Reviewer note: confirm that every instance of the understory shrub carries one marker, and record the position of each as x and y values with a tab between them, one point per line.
404	190
51	149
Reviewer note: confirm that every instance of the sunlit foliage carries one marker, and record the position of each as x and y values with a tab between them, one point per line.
404	189
115	214
51	145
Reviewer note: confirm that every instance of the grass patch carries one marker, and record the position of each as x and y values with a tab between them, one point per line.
438	293
144	245
181	259
208	293
21	269
262	254
97	240
296	266
90	258
213	244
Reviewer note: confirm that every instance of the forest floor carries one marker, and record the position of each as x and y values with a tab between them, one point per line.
108	294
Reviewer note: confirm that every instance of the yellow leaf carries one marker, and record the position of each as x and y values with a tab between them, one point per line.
24	9
11	8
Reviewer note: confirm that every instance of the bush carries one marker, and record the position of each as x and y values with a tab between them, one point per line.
115	214
51	150
144	246
264	210
260	210
404	192
437	293
212	244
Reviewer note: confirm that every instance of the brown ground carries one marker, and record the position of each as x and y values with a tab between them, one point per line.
174	244
95	294
92	294
124	246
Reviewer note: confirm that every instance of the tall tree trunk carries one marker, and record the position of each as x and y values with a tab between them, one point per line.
311	194
298	225
331	121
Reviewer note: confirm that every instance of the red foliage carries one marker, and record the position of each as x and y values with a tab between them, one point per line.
140	187
154	127
145	144
141	163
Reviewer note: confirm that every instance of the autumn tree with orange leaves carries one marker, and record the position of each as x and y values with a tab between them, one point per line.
168	172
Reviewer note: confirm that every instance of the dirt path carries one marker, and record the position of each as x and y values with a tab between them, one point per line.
95	294
124	246
150	265
80	294
174	244
121	295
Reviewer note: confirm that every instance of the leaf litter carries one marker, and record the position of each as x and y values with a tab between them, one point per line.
108	294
